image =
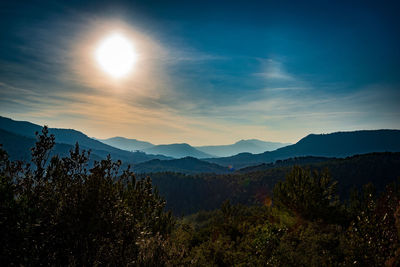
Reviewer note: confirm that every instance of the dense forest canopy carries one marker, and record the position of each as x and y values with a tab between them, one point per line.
189	193
61	211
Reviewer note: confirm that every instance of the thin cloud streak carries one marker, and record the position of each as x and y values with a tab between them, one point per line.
176	94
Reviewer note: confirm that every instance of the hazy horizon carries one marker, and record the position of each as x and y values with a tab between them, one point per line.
209	73
200	145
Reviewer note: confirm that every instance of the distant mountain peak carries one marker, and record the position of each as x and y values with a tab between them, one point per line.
242	146
127	143
177	150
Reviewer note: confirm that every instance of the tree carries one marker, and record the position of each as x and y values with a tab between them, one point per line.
63	212
310	196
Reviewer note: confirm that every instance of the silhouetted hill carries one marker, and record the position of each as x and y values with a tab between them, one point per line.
18	147
126	143
250	146
183	165
340	144
176	151
284	163
70	137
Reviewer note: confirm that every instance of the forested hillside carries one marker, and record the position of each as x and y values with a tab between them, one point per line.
186	194
187	165
60	211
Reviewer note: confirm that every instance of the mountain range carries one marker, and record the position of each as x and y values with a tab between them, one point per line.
126	143
177	151
315	148
17	137
186	150
253	146
20	136
339	144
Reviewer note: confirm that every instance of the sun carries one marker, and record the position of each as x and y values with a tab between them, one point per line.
116	55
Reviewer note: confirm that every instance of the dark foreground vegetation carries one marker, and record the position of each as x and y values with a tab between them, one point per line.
59	212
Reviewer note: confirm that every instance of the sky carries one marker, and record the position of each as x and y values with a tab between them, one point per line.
208	72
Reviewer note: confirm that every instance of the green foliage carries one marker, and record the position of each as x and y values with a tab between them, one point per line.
60	212
308	195
297	234
372	238
310	244
187	194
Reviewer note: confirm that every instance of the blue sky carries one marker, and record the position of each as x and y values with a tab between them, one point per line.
211	72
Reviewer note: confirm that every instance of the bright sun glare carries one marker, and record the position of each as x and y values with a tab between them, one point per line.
116	55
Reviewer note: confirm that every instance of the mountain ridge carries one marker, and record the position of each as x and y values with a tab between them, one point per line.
71	136
241	146
244	145
337	144
126	143
188	165
178	150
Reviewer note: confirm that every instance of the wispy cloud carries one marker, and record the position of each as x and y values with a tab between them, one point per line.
176	93
273	70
